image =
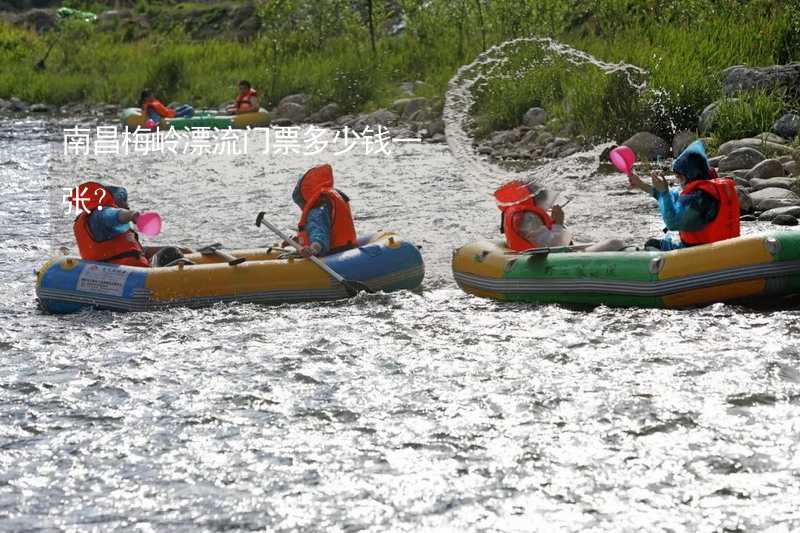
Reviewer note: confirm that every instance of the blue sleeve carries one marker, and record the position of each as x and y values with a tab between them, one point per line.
318	227
104	224
682	212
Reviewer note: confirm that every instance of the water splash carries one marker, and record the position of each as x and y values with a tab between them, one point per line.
481	173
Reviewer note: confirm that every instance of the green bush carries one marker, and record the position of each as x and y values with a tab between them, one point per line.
747	115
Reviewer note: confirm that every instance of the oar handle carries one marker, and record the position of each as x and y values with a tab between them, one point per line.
299	247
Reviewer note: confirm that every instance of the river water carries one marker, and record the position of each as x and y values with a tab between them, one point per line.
430	411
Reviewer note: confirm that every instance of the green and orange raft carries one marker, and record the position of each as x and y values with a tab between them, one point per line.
757	269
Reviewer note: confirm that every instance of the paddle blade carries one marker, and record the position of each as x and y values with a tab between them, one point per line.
623	158
149	223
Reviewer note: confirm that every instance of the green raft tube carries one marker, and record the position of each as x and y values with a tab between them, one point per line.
755	269
132	118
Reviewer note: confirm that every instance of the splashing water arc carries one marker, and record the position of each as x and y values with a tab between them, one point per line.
459	100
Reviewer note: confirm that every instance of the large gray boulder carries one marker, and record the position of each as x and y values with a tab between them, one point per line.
290	111
773	197
767	216
327	113
405	107
769	168
681	140
782	183
649	146
740	78
785	220
299	99
792	168
745	202
788	126
765	147
535	116
741	158
709	114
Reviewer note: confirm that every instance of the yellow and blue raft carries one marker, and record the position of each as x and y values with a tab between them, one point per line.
382	262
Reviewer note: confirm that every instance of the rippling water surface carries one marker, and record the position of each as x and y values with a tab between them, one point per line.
403	412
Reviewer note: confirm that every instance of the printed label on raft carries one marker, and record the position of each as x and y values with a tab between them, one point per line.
103	280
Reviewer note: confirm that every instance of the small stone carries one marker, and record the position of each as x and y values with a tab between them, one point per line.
535	116
741	158
281	122
17	105
792	168
421	115
438	138
784	220
788	126
435	127
381	117
769	168
505	137
39	108
792	210
748	218
647	145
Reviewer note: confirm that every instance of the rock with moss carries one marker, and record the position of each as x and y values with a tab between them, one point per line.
740	78
710	113
535	116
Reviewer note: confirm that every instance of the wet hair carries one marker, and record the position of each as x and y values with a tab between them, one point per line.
245	83
145	94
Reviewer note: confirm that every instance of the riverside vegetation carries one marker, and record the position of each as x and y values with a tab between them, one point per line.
358	54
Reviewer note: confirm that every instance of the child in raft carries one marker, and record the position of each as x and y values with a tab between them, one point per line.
246	101
526	223
103	229
704	209
154	110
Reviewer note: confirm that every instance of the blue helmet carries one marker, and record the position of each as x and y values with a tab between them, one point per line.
693	162
120	194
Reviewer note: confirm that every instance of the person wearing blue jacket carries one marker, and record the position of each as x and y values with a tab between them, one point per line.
703	209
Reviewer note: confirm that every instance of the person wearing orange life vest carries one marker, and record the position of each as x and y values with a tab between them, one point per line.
704	209
246	101
526	223
326	223
154	110
103	229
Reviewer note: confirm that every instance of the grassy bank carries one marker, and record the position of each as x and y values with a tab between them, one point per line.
325	49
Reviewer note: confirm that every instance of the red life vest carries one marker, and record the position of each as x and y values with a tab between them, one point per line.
243	99
726	224
514	198
160	108
124	249
315	185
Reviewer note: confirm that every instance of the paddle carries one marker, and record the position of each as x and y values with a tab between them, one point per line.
545	250
352	287
214	249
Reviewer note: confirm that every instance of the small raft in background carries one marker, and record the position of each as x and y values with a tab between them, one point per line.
753	269
383	262
132	118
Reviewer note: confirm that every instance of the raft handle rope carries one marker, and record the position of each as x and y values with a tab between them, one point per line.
214	249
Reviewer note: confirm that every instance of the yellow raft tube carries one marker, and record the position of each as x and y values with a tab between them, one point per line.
383	262
132	118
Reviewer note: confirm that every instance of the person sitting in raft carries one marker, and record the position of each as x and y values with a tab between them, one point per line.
326	223
154	110
526	223
246	101
103	230
704	209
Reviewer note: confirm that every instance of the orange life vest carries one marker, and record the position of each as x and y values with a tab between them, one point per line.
160	108
514	198
726	224
124	249
245	99
315	185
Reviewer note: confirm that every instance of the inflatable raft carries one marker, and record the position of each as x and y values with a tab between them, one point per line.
752	269
383	262
132	118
